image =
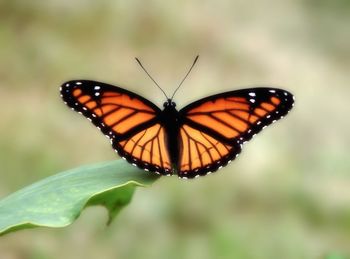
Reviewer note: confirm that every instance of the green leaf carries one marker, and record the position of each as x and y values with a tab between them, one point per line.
58	200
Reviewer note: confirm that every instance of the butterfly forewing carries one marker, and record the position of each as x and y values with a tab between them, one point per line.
129	120
227	120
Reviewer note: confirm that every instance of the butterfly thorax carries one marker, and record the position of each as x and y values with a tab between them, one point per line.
170	119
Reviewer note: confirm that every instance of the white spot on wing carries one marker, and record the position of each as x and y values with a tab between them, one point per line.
252	94
78	83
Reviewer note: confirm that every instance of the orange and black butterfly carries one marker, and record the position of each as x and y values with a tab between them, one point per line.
194	141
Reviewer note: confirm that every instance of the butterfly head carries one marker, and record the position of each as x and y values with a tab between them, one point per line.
169	103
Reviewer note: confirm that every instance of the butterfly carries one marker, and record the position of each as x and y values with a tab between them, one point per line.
194	141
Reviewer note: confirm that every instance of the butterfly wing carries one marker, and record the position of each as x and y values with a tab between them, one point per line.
130	121
214	128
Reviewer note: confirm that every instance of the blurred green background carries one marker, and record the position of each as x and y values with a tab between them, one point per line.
286	196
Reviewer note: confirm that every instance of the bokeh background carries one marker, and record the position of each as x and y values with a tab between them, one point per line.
286	196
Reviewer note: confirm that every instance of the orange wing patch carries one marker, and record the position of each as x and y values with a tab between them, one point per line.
148	146
118	111
200	150
231	116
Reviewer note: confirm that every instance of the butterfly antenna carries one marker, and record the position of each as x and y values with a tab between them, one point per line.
189	71
154	81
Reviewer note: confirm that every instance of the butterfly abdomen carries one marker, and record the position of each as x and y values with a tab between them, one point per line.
171	121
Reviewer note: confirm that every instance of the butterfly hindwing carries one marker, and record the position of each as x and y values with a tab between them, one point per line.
215	127
202	153
147	149
127	119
